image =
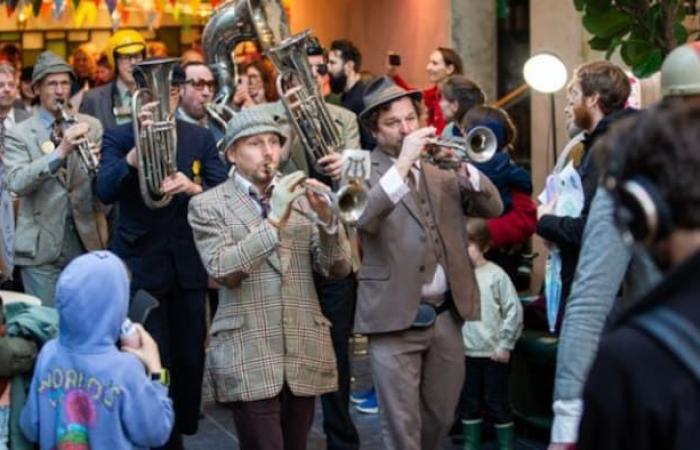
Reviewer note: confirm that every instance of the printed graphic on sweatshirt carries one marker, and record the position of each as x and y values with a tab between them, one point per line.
77	398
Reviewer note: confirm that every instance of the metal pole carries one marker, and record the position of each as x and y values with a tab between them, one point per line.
553	117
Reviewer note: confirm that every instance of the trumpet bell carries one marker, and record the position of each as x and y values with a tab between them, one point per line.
481	144
351	201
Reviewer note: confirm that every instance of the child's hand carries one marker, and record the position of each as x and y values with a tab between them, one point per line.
148	352
501	356
546	209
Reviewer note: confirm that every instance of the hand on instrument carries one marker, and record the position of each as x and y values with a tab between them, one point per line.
412	148
332	165
283	195
318	202
72	136
501	356
177	183
146	114
148	353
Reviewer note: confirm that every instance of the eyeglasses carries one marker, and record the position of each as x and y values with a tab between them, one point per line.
134	57
200	84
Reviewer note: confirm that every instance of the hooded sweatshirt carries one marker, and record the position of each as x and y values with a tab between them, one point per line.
85	393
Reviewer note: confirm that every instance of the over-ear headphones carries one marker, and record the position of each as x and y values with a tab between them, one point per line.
640	211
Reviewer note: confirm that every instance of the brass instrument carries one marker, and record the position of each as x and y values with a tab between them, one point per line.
234	22
480	145
88	160
302	98
347	203
156	143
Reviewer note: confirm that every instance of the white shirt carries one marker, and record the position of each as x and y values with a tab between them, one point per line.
396	188
9	120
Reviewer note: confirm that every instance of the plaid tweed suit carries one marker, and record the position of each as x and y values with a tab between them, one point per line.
269	329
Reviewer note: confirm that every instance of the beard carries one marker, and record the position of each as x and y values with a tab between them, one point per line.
338	83
582	118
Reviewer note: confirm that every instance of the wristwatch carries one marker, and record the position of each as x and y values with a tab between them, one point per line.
162	376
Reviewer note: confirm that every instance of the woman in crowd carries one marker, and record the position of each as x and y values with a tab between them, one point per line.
257	85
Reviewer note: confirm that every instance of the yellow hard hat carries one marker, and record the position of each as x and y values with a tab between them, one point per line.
680	72
124	42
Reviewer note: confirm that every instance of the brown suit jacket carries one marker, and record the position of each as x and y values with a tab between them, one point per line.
394	242
269	328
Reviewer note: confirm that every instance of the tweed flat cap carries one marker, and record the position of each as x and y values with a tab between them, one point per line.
383	90
249	122
48	63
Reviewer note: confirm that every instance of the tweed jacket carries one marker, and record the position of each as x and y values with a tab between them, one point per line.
344	120
44	198
394	242
269	329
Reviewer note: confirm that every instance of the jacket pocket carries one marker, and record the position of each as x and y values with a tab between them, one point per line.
374	273
226	324
27	241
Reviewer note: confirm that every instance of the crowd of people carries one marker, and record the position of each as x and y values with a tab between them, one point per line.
252	285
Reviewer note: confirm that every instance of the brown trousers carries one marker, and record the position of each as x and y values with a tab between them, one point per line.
418	375
279	423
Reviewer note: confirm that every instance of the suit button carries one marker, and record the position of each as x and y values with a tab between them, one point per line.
421	269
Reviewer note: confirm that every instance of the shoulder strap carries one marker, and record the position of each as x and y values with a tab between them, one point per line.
680	336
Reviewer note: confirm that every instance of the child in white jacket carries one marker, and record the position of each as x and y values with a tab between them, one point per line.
487	346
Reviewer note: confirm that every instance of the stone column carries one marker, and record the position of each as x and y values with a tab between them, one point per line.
474	35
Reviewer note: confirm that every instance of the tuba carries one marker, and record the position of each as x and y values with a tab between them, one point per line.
88	160
156	143
233	22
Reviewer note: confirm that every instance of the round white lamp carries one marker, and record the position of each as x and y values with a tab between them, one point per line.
546	73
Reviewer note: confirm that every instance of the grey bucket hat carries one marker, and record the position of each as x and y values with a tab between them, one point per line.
383	90
249	122
48	63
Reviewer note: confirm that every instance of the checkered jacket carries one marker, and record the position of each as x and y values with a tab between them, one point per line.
268	328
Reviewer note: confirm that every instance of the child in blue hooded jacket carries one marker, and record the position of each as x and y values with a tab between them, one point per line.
85	392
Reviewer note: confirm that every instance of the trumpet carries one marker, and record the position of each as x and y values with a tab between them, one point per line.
480	145
347	203
88	160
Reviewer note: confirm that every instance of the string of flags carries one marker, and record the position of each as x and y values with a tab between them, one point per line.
85	12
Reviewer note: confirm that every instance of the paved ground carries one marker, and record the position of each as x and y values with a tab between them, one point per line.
217	431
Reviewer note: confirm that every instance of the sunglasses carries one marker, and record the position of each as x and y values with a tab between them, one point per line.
200	84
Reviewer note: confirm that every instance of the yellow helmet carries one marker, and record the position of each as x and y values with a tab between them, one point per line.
680	72
124	42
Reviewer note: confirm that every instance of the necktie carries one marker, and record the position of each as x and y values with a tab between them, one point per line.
264	203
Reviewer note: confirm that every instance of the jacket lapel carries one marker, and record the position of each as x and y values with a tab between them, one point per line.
383	162
41	135
242	206
433	182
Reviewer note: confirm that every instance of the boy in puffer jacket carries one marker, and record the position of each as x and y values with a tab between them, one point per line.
85	392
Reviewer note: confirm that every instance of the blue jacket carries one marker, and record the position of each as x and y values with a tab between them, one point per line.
157	238
84	390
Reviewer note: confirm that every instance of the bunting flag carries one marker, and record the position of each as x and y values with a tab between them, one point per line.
36	7
10	6
111	6
86	12
75	4
58	8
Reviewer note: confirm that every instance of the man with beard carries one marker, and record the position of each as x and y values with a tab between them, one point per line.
196	91
9	117
596	99
344	65
111	103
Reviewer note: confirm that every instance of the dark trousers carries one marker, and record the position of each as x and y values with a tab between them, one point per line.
485	386
279	423
178	326
337	298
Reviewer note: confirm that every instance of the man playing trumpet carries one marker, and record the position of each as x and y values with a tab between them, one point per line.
270	352
59	217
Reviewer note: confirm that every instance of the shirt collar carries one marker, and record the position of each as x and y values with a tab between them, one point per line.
249	188
46	117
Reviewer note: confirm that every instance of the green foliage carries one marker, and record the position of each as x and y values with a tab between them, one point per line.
645	31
